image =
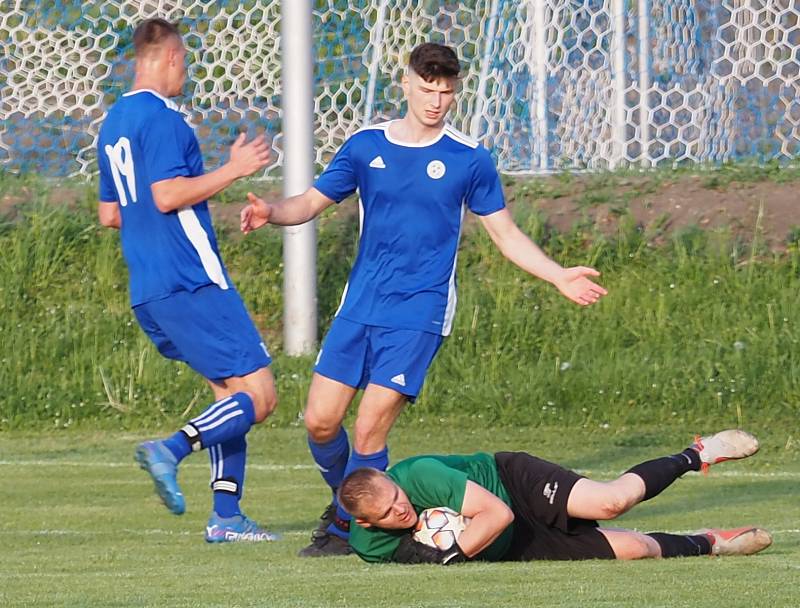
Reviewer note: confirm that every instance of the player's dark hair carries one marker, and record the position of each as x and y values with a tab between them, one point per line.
152	32
357	489
434	61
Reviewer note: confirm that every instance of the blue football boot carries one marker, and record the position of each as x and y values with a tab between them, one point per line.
238	528
155	458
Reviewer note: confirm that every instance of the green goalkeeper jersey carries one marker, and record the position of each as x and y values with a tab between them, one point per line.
435	481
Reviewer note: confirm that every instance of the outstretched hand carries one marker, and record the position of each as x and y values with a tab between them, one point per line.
249	157
575	285
254	215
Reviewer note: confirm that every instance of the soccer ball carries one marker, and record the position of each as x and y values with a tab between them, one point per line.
439	527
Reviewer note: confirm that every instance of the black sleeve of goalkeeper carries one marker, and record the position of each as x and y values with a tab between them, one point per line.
410	551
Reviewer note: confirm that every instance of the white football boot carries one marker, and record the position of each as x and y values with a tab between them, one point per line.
737	541
732	444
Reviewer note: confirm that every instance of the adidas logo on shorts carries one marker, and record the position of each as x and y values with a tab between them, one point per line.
399	379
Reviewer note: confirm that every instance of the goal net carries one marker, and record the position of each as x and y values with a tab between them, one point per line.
548	84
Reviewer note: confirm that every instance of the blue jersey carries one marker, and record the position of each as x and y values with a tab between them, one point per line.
413	198
145	139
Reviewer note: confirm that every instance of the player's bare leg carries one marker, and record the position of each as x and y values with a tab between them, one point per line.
326	407
601	500
379	408
220	392
377	412
607	500
629	544
260	385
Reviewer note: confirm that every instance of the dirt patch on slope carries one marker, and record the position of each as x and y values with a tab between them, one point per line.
769	209
766	204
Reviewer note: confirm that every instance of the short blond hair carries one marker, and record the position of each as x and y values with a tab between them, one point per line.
358	489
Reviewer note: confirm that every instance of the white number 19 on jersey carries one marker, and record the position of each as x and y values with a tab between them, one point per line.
121	160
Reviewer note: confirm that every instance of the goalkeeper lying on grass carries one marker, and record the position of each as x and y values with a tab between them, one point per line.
523	508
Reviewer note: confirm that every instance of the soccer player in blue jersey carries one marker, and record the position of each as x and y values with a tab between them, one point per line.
416	177
153	188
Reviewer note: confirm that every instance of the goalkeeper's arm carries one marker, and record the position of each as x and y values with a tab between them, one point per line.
489	516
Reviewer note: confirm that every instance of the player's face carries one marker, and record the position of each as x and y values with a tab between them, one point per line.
429	102
390	508
176	66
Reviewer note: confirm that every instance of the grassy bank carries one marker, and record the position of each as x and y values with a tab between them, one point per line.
701	330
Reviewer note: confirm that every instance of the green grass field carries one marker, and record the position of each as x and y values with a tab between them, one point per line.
81	527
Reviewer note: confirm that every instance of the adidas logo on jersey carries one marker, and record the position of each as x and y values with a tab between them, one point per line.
399	379
377	163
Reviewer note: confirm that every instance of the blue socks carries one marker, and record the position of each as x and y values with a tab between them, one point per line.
227	475
227	418
179	445
378	460
221	429
335	462
331	458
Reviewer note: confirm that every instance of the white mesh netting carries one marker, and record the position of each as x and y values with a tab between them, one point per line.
549	84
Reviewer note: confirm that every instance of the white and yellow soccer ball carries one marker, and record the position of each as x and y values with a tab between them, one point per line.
439	527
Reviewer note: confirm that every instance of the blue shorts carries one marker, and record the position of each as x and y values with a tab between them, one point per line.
357	355
209	329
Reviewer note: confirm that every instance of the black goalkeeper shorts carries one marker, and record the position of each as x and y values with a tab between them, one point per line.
542	529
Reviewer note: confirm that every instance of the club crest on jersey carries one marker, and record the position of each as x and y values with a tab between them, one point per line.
436	169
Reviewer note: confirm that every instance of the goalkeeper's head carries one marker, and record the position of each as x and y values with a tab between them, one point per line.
375	500
160	56
430	83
